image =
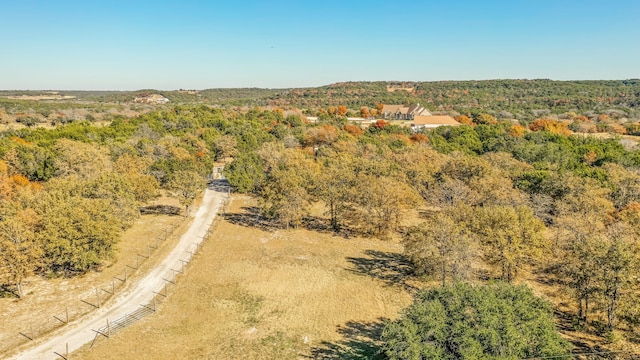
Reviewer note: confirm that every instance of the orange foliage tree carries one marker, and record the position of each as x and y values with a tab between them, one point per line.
590	157
353	130
550	125
380	124
517	130
364	112
464	120
419	138
342	110
485	119
325	134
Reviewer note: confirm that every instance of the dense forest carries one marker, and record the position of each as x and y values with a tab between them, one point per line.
515	96
491	200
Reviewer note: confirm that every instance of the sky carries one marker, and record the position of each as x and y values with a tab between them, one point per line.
200	44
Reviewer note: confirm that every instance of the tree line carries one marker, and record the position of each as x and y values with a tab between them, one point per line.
68	193
492	202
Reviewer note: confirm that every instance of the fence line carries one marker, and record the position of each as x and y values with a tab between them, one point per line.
72	313
147	309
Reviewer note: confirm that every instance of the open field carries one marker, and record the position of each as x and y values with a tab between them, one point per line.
254	294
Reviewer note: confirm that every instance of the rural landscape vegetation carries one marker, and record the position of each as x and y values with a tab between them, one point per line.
512	234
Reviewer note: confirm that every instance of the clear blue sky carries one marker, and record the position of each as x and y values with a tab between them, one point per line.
171	44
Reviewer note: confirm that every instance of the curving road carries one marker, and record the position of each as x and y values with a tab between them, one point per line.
82	331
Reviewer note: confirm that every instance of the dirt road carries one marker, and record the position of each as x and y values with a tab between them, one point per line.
82	331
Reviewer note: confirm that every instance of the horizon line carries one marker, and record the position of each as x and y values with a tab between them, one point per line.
317	86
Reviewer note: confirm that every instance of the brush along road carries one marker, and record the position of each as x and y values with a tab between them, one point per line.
82	331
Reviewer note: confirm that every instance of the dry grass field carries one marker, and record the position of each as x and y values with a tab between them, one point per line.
258	294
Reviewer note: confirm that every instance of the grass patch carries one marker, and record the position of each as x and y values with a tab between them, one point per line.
256	294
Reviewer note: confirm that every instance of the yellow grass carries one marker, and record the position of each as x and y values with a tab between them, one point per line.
254	294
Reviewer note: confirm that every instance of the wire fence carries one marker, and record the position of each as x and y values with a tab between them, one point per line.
68	313
112	327
65	314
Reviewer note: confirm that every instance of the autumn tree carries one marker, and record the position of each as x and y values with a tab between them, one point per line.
135	172
284	198
185	186
285	195
420	166
380	124
354	130
618	268
364	112
20	253
581	222
334	186
464	120
80	159
440	245
625	185
225	146
511	237
321	135
484	119
517	130
550	125
380	203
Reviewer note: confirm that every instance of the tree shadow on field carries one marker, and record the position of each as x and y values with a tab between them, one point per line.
8	291
393	269
565	323
219	185
250	217
160	210
323	225
360	340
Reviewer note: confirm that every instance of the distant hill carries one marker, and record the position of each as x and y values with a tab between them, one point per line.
462	96
239	96
497	95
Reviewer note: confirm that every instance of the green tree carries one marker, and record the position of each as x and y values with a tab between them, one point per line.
497	321
245	172
77	234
